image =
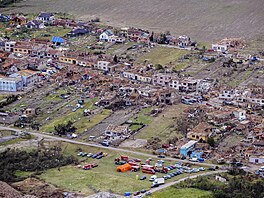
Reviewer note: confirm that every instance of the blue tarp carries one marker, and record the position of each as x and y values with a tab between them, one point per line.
56	39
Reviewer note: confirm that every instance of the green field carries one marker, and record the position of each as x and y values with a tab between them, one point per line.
16	140
141	118
80	122
162	125
49	32
4	133
172	192
162	55
102	178
85	123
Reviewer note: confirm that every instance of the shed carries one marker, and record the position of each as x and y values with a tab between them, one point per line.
56	40
256	159
184	150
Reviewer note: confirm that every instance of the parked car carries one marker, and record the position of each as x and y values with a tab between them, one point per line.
94	156
161	156
195	170
94	165
261	169
143	177
105	143
83	154
193	159
153	177
202	169
154	185
143	191
148	193
136	193
211	168
89	155
99	156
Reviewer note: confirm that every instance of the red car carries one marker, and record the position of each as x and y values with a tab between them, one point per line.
94	165
137	160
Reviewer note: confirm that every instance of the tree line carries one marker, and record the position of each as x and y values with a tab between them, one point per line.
240	186
12	160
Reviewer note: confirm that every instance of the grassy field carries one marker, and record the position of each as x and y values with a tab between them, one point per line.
172	192
2	97
141	118
80	122
201	19
102	178
51	31
161	126
162	55
16	140
84	124
4	133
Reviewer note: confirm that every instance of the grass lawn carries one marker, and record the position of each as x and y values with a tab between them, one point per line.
23	174
160	126
242	77
50	31
4	133
162	55
81	122
70	116
84	123
172	192
141	118
102	178
16	140
2	97
207	45
12	141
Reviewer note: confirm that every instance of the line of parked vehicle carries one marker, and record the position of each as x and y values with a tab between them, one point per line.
98	155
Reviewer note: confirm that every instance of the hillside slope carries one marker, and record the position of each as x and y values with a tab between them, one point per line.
201	19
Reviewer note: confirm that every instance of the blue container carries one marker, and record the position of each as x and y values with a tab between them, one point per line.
127	194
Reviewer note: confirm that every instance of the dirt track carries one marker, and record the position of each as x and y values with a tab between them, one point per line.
201	19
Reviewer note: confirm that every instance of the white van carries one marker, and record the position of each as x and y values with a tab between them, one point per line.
153	177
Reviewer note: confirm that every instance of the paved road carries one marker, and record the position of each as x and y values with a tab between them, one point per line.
42	135
183	179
